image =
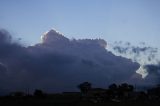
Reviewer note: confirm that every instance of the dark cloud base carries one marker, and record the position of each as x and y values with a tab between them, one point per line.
59	64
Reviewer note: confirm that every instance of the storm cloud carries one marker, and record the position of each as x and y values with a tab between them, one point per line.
154	73
58	64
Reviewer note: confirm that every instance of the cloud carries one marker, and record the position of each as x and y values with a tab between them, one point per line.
4	36
146	56
2	69
154	73
153	68
136	52
128	48
59	64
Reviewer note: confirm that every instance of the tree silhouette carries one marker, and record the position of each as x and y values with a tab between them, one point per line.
124	90
113	90
126	87
85	87
38	93
113	87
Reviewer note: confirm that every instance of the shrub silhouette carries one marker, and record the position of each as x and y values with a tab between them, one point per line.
85	87
38	93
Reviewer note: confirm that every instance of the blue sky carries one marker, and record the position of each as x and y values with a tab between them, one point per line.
113	20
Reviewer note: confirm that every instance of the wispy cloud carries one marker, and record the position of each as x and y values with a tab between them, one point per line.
144	54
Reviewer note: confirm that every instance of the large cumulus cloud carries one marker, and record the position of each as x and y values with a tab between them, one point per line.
59	64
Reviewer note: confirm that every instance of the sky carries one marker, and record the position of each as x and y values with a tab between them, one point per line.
113	20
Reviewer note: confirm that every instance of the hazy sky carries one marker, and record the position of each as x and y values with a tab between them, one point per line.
114	20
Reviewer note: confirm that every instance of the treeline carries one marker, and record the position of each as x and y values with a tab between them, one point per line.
114	93
118	93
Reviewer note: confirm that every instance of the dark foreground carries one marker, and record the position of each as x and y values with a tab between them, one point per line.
115	95
79	103
71	101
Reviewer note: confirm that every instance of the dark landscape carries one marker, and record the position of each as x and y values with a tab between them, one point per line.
115	95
